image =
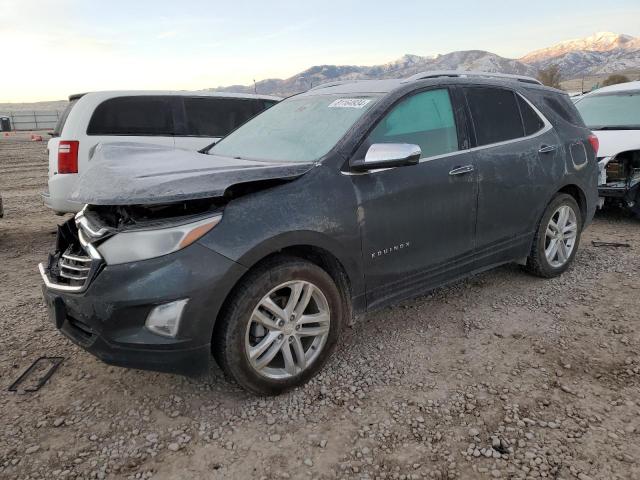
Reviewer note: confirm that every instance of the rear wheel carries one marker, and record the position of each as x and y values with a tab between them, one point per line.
557	238
280	326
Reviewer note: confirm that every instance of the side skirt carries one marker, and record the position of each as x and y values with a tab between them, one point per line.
423	282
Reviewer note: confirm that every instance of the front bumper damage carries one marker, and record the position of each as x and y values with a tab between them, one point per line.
105	313
625	192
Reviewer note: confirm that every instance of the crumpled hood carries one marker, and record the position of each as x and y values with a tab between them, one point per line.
613	142
138	174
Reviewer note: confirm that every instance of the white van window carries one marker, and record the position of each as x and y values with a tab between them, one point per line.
57	131
216	117
140	115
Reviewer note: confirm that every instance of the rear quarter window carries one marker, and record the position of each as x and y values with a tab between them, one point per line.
140	115
57	131
217	117
564	108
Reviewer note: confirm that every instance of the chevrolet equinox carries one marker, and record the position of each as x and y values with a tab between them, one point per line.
257	251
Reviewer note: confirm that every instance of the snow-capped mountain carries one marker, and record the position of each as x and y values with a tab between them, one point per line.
405	66
601	53
598	42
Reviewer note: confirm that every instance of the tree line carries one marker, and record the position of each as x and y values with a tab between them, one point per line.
551	77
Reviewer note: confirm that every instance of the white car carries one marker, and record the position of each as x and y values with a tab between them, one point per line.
185	120
613	113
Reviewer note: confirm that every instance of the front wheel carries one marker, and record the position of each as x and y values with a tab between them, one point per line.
556	241
280	326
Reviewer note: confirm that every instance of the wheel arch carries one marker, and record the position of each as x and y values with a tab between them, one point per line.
576	192
578	195
315	247
317	250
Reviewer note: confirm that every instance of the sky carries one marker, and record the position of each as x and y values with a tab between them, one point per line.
51	49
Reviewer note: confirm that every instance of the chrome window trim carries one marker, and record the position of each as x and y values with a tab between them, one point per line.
547	127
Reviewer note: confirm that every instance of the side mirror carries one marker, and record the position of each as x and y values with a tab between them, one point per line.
388	155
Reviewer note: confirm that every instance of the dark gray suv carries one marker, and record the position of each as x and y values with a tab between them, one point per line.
334	202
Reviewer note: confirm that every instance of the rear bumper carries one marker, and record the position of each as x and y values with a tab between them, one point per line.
108	319
59	189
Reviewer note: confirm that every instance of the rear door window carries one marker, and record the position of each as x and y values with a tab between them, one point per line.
425	119
531	120
140	115
495	114
216	117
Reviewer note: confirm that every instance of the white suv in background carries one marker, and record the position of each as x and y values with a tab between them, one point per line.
185	120
613	113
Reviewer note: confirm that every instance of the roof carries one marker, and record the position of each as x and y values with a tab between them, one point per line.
355	86
471	74
200	93
386	86
619	87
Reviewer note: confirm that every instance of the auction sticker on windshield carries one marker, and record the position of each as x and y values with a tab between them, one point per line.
349	103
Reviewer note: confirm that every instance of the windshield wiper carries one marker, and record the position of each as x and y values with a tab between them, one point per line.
209	147
615	127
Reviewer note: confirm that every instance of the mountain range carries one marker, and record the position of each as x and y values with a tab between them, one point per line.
591	58
601	53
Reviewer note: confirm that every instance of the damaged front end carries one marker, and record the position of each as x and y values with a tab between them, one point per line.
146	201
74	262
619	181
111	235
126	283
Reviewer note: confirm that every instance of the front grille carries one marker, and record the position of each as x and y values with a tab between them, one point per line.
74	263
74	268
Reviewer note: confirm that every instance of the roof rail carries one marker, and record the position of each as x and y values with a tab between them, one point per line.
465	74
331	84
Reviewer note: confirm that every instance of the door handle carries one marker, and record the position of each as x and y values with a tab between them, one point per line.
462	170
547	148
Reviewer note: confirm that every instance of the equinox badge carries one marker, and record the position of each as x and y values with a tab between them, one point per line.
387	251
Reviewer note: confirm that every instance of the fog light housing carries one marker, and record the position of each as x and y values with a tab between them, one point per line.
165	319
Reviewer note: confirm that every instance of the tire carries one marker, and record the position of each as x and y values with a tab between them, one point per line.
541	264
245	326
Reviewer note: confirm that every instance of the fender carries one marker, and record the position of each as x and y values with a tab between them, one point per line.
302	238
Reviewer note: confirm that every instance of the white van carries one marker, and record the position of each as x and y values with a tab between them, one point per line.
185	120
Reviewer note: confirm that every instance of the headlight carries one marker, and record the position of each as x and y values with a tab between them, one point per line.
145	244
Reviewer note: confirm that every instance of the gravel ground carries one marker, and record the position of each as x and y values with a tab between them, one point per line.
499	376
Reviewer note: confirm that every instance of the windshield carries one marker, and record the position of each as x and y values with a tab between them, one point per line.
614	111
300	129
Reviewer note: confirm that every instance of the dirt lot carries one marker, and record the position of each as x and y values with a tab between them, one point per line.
499	376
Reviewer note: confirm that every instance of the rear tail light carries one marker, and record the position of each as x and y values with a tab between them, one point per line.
595	143
68	156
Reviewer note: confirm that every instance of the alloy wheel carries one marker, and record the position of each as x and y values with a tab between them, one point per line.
561	235
287	330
